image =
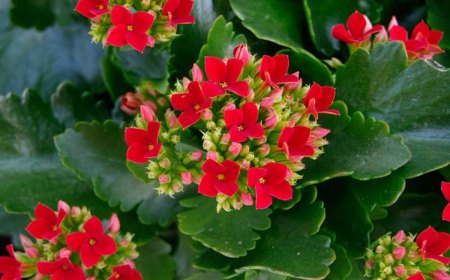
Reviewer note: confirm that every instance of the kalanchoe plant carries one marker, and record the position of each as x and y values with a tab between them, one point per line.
257	124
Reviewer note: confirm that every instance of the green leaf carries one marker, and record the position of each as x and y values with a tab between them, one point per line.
292	247
322	15
155	261
438	19
12	224
218	230
36	14
342	266
113	78
221	41
360	147
413	100
311	69
260	275
278	21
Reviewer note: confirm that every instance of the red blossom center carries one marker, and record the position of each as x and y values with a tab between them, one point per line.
196	106
100	7
220	177
151	147
241	127
54	228
262	181
117	275
65	267
130	28
92	242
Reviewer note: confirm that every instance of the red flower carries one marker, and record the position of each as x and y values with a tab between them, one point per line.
192	103
125	272
130	28
359	29
417	276
92	244
47	223
274	70
423	43
10	267
61	269
179	11
143	144
433	244
269	181
224	77
318	99
293	140
219	178
243	124
445	187
92	8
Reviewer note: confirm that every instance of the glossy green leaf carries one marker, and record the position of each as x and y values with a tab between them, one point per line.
438	19
278	21
322	15
155	261
37	14
358	146
413	100
259	275
218	230
221	41
113	78
12	224
311	69
342	266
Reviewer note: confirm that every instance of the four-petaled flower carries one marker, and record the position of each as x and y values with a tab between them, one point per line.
269	181
92	8
219	177
293	140
130	28
445	187
143	144
46	224
274	70
192	103
92	244
224	77
179	12
243	123
318	99
125	272
359	29
433	244
61	269
10	267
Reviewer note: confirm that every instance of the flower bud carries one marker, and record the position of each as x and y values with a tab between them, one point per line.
399	252
241	52
264	150
114	224
130	103
197	74
245	164
271	121
32	252
63	206
165	163
225	139
186	82
380	249
400	270
75	211
246	199
64	253
207	115
162	101
186	178
147	114
171	119
196	155
388	259
212	155
164	179
177	187
25	241
369	264
229	106
440	275
399	237
235	148
267	102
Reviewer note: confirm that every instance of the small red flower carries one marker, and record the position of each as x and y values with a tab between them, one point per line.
293	140
92	244
92	8
224	77
417	276
192	103
10	267
274	70
318	99
219	178
125	272
433	244
359	29
61	269
243	123
143	144
269	181
445	187
179	12
46	224
130	28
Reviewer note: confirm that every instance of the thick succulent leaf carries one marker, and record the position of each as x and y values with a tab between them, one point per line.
358	146
221	41
342	266
113	77
266	275
36	14
267	18
413	100
12	224
155	261
218	231
438	19
322	15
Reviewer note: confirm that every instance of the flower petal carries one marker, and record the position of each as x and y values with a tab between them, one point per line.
226	187
94	227
446	213
241	88
285	135
136	153
263	198
212	167
142	21
233	118
121	15
89	257
356	24
47	268
254	174
74	273
254	131
211	89
76	240
38	228
236	135
188	118
281	191
116	36
445	188
340	33
234	70
440	246
105	245
136	135
46	213
426	237
206	186
137	40
84	7
232	170
170	6
181	101
276	172
215	69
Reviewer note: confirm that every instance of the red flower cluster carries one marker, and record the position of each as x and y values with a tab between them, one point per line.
134	29
422	44
53	254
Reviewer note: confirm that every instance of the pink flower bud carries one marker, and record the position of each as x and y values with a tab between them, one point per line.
171	119
177	187
293	86
114	223
246	199
207	115
392	23
400	270
165	163
196	155
440	275
320	132
197	74
65	253
225	139
147	113
245	164
186	178
91	278
241	52
381	37
162	101
212	155
208	145
130	263
75	211
271	121
124	243
39	276
289	174
399	252
150	104
25	241
267	102
186	82
164	179
229	106
369	264
251	95
130	102
400	237
264	150
63	206
32	252
235	148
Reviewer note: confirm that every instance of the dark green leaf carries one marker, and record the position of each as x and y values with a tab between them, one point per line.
12	224
342	266
360	147
155	261
36	14
113	78
278	21
413	100
438	19
263	275
218	230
